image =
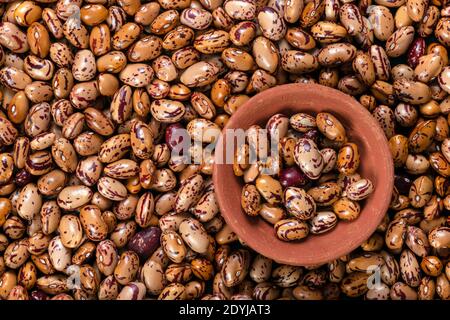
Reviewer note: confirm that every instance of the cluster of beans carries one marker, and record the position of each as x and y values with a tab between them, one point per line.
94	207
317	170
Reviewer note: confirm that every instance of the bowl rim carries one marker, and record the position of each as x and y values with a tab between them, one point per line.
289	258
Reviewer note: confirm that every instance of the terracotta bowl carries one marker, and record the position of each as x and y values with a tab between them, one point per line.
376	165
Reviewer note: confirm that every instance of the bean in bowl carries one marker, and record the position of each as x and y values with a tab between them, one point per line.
309	180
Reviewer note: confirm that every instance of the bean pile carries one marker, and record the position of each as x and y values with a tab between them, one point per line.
93	206
322	175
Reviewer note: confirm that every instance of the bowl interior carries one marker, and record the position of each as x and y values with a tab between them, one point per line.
376	165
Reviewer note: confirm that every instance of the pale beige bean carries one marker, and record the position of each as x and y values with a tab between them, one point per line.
64	155
52	22
42	141
195	18
132	291
399	42
167	111
240	9
416	9
336	54
401	291
269	188
122	169
59	255
8	132
402	19
413	92
355	284
272	214
331	11
50	215
76	33
236	268
84	67
38	243
250	200
13	38
439	237
55	285
153	277
409	268
174	291
173	246
70	231
37	68
89	170
261	269
194	235
106	257
111	189
189	192
443	287
379	292
360	189
428	68
14	78
93	224
200	74
298	62
381	62
16	254
351	18
299	203
206	208
308	158
271	24
330	158
172	221
114	148
29	202
127	267
73	197
322	222
137	75
364	67
382	21
291	229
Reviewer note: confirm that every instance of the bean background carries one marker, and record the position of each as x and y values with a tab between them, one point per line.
92	204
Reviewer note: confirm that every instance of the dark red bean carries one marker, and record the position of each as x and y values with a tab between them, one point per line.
145	242
415	51
402	183
176	135
292	177
23	177
38	295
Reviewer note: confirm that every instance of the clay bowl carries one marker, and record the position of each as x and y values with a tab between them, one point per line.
376	165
